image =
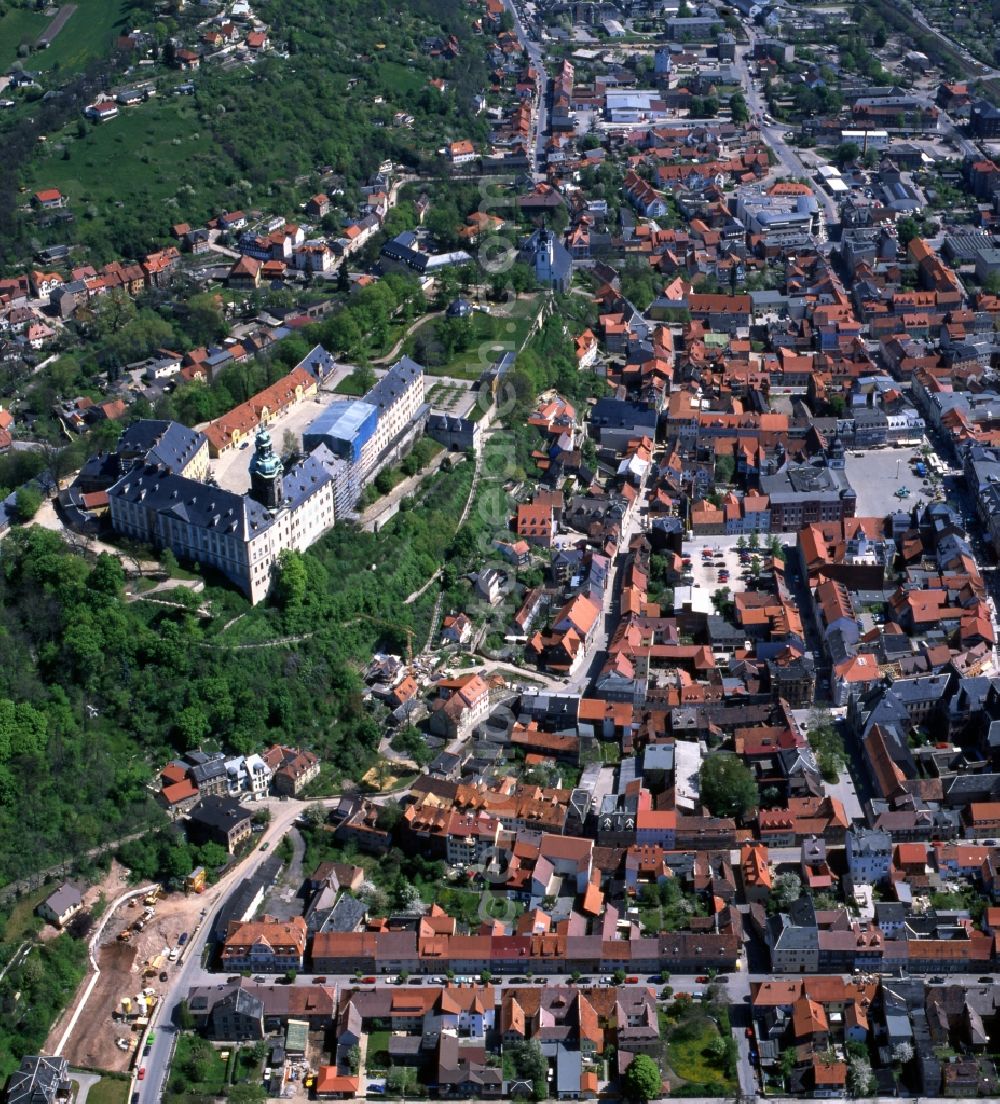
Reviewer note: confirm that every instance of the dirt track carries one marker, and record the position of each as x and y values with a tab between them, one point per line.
61	18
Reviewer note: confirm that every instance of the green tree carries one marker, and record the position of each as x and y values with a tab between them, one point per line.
28	501
860	1080
738	108
727	785
907	229
827	744
991	285
193	725
786	889
642	1079
846	153
363	378
203	322
212	855
725	468
292	582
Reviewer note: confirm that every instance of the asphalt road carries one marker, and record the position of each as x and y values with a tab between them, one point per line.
788	159
190	972
534	51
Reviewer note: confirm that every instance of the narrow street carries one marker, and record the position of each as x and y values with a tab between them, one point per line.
539	116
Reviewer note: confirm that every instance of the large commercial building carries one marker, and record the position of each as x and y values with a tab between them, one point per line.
397	397
804	494
156	494
238	535
365	433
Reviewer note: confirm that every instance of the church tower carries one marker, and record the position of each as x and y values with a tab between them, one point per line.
265	473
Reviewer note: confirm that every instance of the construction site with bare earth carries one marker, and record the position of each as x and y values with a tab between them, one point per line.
141	941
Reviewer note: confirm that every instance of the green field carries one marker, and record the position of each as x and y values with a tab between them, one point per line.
400	79
197	1067
492	336
22	921
89	33
689	1055
377	1056
141	162
19	26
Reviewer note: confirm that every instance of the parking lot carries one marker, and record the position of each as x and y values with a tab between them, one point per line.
706	571
877	474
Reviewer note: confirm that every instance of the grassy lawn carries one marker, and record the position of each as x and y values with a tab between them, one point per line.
610	753
108	1090
18	26
492	335
400	79
651	919
22	921
89	33
349	386
460	903
191	1053
377	1056
500	908
688	1052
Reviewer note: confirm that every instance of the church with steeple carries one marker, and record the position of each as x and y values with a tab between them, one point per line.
266	473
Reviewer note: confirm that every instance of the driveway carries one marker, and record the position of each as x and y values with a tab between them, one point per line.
85	1081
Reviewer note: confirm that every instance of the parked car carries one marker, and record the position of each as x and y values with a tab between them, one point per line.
368	981
182	939
142	1073
321	980
632	980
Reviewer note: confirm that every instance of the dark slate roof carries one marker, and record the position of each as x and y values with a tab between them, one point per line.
304	480
399	377
206	771
346	915
196	503
37	1080
219	812
618	414
161	442
318	362
243	896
